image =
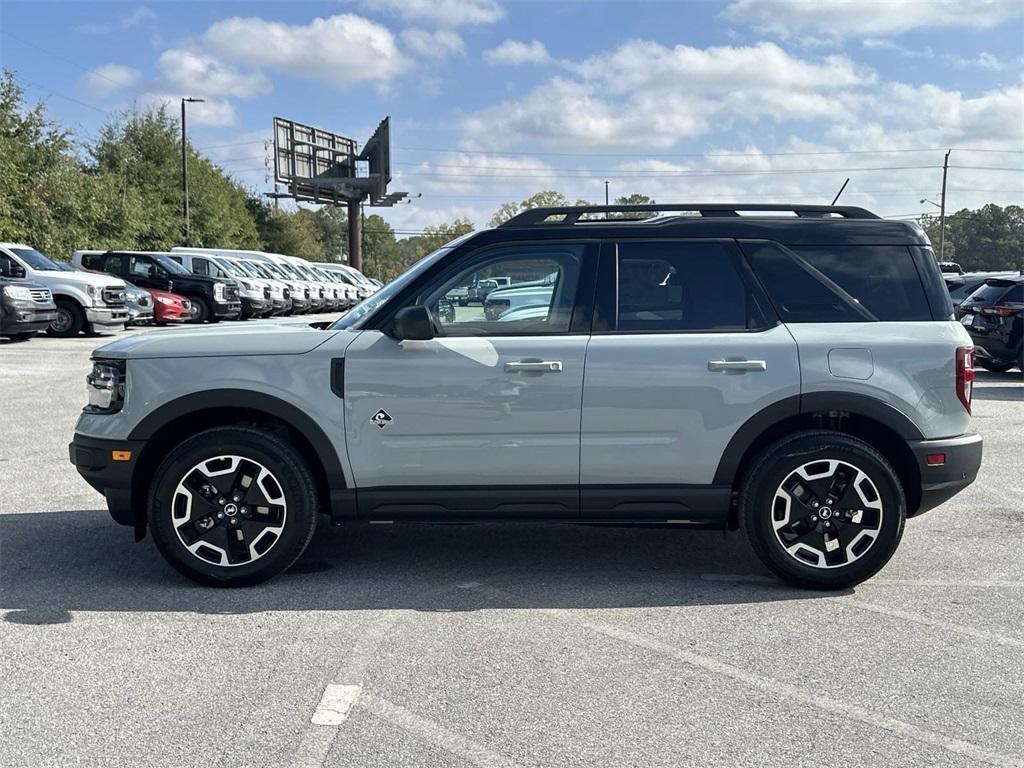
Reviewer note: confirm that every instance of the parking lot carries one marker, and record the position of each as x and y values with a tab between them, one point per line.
494	645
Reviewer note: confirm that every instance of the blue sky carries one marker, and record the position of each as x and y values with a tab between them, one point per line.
491	100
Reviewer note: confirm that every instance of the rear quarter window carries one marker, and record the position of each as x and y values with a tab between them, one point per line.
881	278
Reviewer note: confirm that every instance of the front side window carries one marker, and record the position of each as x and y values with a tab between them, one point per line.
92	261
686	287
143	266
531	290
36	260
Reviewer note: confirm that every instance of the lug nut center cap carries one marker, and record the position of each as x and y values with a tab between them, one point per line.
230	510
825	513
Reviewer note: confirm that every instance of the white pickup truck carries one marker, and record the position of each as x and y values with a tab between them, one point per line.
85	301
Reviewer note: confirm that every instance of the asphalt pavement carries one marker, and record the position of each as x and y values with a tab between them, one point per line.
497	645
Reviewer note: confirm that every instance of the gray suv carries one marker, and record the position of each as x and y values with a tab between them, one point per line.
798	376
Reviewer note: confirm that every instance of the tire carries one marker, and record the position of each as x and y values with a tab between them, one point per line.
991	365
70	320
202	309
867	485
203	470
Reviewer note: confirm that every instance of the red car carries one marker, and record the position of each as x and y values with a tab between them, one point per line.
170	307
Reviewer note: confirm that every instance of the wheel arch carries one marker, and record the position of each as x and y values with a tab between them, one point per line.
875	422
179	419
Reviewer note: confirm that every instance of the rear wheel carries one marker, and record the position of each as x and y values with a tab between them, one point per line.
70	320
232	506
823	510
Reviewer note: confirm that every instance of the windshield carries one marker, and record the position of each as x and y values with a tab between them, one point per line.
366	307
36	260
230	267
259	269
170	264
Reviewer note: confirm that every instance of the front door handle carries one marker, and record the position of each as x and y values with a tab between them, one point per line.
722	366
546	366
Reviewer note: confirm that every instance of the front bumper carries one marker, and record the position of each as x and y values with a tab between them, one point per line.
107	317
960	467
28	319
94	460
227	308
252	307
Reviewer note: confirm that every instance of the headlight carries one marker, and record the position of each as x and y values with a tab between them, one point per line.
18	292
218	291
105	386
165	300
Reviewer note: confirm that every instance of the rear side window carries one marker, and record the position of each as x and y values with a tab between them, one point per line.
798	295
678	286
1015	295
881	278
92	261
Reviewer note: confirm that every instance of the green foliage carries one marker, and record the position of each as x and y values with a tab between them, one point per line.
634	199
990	238
547	199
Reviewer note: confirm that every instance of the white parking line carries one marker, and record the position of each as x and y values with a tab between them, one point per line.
756	578
434	733
335	704
863	714
945	626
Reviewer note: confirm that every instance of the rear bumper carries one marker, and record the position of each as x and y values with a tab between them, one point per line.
93	458
961	464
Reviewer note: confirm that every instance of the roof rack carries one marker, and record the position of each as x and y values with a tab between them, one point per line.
570	214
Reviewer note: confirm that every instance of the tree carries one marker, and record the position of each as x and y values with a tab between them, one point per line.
381	256
990	238
546	199
634	199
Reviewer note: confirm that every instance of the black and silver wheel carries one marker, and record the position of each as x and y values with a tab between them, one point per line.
232	506
70	320
823	510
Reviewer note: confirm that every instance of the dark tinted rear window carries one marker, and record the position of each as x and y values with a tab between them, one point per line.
989	293
798	296
883	279
1015	294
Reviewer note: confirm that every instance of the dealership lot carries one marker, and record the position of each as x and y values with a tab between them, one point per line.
497	645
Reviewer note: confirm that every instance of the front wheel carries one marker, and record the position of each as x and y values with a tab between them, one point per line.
232	506
70	320
822	510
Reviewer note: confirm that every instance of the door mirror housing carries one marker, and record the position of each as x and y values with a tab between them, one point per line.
12	269
413	324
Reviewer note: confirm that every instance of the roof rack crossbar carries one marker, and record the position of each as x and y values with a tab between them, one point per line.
570	214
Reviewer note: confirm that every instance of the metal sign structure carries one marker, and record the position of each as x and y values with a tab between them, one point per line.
323	167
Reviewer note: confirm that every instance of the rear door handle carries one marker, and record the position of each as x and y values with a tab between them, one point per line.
546	366
721	366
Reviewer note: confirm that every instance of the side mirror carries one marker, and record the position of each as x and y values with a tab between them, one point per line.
14	270
413	324
445	311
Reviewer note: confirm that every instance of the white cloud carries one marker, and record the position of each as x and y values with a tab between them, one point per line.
215	112
465	172
982	61
632	96
343	50
202	75
136	17
515	52
110	79
443	13
439	44
843	18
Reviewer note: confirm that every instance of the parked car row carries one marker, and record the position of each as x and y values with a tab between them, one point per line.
103	291
994	316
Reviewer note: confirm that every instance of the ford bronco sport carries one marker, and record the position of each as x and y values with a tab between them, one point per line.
799	376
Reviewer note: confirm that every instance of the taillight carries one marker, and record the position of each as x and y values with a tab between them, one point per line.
999	310
965	375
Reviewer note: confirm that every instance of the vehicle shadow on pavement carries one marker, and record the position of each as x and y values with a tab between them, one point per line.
55	563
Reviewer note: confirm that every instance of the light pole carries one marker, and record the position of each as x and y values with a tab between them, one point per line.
942	225
184	166
606	192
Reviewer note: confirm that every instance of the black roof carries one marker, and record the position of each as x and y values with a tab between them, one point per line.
799	224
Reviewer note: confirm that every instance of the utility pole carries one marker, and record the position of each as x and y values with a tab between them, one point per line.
184	167
606	191
942	209
355	235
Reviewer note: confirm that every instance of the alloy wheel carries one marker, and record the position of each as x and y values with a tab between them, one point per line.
229	510
827	513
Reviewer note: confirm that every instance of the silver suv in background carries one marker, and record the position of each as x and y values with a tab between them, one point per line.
85	301
799	376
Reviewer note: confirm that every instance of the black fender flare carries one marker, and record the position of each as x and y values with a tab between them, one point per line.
812	402
256	401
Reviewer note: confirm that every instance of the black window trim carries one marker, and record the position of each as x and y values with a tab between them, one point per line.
583	302
849	301
606	301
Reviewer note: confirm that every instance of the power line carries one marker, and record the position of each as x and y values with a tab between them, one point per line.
671	175
701	154
233	144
